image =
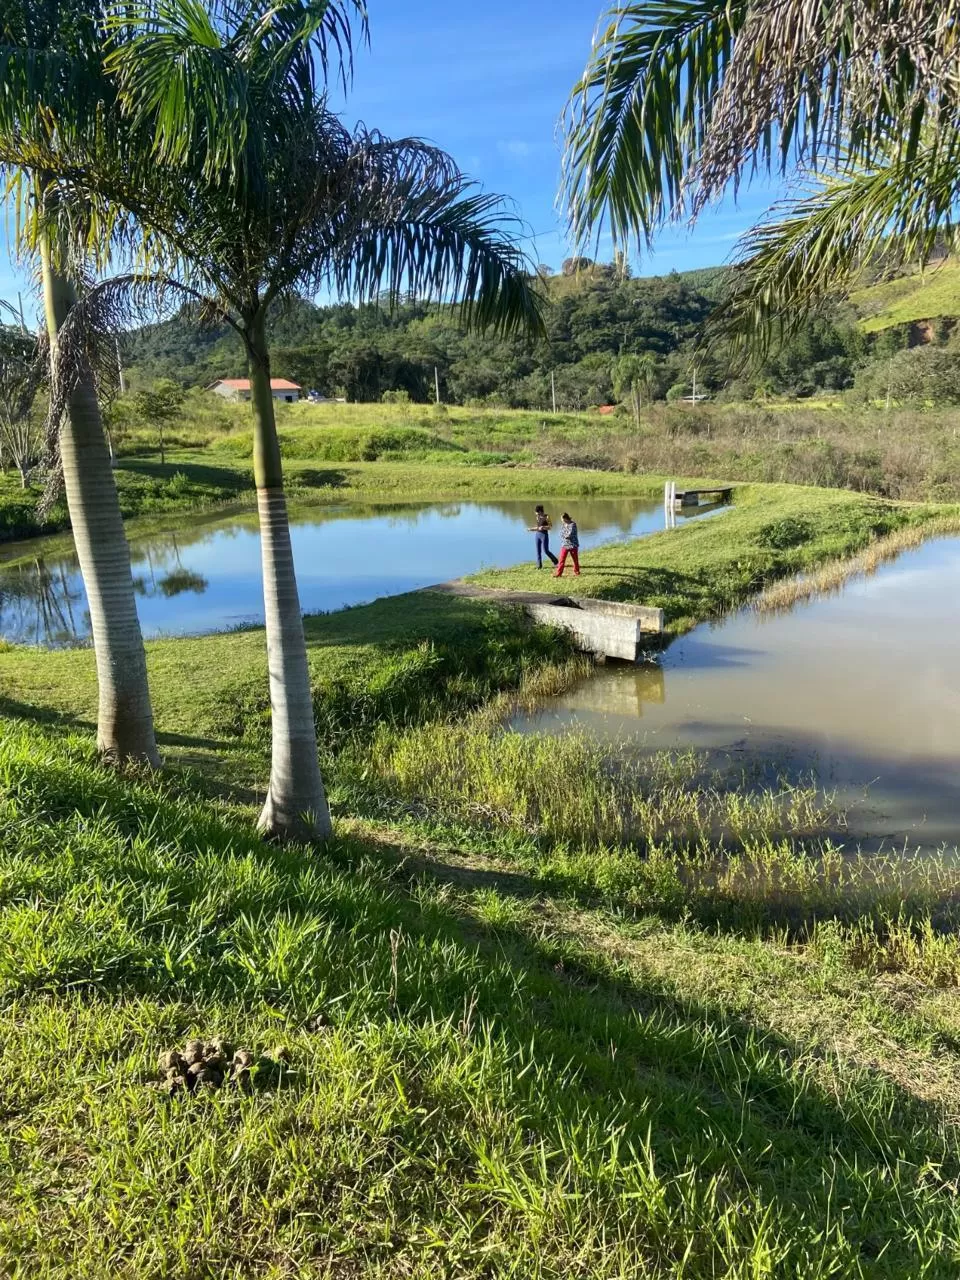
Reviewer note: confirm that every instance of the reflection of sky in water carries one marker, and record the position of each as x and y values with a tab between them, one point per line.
204	575
863	686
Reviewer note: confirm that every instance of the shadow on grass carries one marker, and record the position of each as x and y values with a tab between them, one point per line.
230	480
14	710
613	1057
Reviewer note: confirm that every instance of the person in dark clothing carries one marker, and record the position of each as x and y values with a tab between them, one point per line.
569	546
542	530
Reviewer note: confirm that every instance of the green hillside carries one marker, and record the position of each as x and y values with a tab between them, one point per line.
919	296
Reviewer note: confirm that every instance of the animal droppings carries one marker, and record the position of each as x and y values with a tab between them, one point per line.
203	1066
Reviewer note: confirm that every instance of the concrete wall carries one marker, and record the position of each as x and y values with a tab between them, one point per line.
600	626
612	628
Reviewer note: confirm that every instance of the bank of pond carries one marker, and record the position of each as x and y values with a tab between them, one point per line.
855	694
200	574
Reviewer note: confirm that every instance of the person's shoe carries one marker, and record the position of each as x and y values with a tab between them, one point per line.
576	573
558	574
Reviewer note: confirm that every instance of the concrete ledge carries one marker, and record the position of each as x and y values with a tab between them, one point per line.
612	628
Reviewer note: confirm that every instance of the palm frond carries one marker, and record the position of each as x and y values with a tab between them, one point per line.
445	243
816	247
199	73
683	98
637	117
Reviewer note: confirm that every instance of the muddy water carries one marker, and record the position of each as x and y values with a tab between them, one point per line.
201	574
861	688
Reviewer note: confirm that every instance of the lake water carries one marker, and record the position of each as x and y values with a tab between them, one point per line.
863	688
202	574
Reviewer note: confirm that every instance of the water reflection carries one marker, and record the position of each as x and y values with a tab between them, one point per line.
42	604
203	574
862	688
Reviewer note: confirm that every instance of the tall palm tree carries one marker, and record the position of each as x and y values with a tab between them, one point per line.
50	82
56	100
684	99
246	189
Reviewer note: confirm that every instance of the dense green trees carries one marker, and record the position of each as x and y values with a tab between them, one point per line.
592	321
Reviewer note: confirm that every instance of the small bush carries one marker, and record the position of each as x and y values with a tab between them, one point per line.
781	535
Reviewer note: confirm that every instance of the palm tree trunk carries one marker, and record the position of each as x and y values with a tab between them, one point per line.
125	717
296	805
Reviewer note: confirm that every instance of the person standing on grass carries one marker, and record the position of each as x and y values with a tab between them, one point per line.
569	545
542	530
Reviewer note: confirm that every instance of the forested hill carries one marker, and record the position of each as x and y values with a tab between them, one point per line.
598	324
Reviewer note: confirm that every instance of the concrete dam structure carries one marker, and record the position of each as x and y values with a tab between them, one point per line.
608	628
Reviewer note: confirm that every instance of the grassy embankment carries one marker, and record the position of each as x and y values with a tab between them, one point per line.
568	1033
395	452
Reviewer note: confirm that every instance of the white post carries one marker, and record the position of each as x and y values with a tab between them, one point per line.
553	389
123	381
436	383
670	504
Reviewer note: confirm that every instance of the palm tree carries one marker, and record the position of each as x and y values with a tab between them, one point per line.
50	82
248	190
683	99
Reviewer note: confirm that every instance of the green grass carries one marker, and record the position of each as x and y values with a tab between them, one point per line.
391	452
421	642
652	1024
511	1084
922	296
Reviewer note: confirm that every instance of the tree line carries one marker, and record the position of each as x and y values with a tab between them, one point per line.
607	338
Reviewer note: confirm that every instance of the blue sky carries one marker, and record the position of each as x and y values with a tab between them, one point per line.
487	83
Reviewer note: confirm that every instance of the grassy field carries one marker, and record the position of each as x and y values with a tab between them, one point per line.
655	1024
399	452
574	1065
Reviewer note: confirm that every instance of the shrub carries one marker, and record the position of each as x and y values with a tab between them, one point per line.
780	535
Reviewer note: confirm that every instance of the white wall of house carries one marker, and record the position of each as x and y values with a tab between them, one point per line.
239	393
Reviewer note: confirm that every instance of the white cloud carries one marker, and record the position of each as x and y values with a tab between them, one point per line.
515	149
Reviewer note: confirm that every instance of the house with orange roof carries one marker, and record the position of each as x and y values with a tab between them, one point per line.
239	389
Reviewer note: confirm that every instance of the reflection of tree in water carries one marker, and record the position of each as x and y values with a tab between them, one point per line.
43	603
37	605
175	583
180	581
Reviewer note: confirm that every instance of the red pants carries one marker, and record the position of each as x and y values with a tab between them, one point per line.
574	555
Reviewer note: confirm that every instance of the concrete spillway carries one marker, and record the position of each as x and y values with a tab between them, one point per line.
606	627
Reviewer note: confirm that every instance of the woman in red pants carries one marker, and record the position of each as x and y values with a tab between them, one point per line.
569	546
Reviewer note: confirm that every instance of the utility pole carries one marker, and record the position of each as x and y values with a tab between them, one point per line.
436	383
694	384
553	389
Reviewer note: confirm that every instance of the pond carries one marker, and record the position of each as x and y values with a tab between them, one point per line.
202	574
861	689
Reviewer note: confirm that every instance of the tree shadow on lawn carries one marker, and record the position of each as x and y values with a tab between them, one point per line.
11	709
234	480
615	1057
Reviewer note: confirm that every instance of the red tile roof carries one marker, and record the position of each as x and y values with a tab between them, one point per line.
243	384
